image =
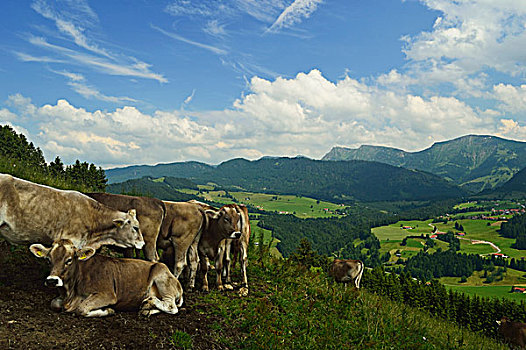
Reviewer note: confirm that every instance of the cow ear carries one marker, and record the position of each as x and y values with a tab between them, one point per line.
85	253
214	214
118	222
39	250
133	213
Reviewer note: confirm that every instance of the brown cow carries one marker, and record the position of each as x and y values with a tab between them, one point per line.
150	213
221	224
95	285
345	271
31	213
514	333
180	233
239	248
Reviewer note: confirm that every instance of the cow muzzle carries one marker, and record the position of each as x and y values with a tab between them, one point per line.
139	245
235	235
53	282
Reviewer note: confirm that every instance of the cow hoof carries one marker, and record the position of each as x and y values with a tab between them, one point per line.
228	286
243	292
57	304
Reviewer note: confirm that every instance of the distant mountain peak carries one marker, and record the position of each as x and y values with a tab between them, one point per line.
475	161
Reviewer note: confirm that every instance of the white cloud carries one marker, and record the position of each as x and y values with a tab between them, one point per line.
469	37
175	36
307	114
294	14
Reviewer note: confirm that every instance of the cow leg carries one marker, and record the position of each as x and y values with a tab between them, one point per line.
179	260
193	264
93	305
219	269
203	270
150	244
169	290
243	261
228	264
223	253
57	304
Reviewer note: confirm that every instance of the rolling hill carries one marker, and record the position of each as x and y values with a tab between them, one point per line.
475	162
341	181
514	188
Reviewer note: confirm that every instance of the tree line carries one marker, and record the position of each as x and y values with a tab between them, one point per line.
22	159
515	228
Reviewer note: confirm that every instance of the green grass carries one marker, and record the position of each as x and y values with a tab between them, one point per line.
489	292
302	207
289	308
267	236
181	340
395	232
479	230
510	278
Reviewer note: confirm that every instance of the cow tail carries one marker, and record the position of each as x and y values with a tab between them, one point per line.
359	277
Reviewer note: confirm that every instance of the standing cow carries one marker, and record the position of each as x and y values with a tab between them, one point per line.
221	224
31	213
95	285
239	248
180	233
150	213
514	333
345	271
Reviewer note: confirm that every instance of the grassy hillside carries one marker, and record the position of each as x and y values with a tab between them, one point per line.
291	307
476	162
338	182
514	188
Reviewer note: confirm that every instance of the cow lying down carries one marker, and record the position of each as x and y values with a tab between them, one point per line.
95	285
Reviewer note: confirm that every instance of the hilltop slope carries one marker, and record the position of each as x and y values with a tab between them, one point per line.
476	162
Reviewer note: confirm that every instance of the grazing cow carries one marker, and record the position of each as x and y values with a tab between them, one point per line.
95	285
345	271
514	333
221	224
179	237
150	213
239	248
31	213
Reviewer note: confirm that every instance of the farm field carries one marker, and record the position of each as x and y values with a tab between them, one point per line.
489	292
302	207
395	232
479	230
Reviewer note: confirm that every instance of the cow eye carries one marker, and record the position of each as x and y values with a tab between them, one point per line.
68	261
136	228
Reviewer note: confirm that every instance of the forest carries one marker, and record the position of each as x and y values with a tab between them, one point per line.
515	228
22	159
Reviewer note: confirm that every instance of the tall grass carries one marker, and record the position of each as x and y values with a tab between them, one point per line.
291	307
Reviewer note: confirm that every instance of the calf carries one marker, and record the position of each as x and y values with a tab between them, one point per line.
31	213
180	233
513	332
345	271
95	285
150	213
221	224
239	248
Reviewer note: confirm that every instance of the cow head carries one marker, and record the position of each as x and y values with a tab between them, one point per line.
228	222
62	256
128	233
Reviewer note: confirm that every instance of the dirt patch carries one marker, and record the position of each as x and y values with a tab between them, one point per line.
27	322
497	223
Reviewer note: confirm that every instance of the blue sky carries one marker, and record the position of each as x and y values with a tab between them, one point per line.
143	82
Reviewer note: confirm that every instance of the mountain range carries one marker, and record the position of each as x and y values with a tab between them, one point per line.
338	181
475	162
